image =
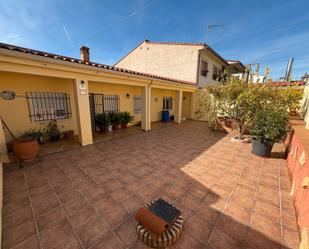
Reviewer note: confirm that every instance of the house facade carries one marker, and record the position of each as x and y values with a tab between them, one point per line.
55	87
194	62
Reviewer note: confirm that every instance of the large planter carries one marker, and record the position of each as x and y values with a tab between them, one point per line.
68	135
124	126
26	150
261	148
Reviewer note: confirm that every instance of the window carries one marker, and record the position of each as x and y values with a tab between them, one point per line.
48	106
215	73
137	104
204	68
168	103
111	103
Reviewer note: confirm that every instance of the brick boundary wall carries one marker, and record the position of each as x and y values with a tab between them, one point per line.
298	167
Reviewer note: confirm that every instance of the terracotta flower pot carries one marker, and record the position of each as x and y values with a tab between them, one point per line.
68	135
26	150
124	126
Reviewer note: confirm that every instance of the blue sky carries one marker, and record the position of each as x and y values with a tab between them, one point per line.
268	32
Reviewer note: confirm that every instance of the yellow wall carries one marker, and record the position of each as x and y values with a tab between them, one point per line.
157	106
186	105
15	112
126	104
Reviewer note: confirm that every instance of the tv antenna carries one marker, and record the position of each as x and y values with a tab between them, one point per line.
210	28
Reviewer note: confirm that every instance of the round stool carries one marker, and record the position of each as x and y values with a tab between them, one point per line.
167	238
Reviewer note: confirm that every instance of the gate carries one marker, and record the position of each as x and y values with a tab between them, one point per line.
100	103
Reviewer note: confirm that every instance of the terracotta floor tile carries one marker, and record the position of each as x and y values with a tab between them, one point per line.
32	242
50	217
18	234
186	241
115	216
132	204
221	240
198	228
69	242
82	216
108	242
242	201
126	231
54	234
258	240
19	217
208	214
189	201
266	226
73	202
267	210
91	232
291	238
117	180
120	194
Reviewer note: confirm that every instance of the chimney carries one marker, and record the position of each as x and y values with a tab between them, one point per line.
84	54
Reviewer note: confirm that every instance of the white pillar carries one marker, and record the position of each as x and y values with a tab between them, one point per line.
83	111
178	109
192	108
3	150
146	108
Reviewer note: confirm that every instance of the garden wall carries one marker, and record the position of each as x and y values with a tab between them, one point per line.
298	165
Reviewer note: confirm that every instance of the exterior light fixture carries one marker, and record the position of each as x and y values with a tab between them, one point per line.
8	95
128	95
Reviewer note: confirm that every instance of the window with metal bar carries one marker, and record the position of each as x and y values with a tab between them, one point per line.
45	106
137	104
168	103
111	103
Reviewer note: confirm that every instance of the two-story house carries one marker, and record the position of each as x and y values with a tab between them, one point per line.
194	62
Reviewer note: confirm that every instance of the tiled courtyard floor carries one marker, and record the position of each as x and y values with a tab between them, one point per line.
87	197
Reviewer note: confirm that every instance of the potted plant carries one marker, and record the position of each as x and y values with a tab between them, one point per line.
107	121
34	134
270	125
53	131
68	135
116	118
27	147
99	121
126	118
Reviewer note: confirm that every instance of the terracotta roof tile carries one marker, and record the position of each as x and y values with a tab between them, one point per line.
93	64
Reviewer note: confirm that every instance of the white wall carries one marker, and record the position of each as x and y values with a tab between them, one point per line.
212	61
174	61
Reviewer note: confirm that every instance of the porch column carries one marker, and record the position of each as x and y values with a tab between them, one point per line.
83	111
192	107
178	109
3	150
146	108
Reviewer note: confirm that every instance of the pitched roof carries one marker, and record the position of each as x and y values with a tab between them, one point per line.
39	53
203	45
178	43
232	62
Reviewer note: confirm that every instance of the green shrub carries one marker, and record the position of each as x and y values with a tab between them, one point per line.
270	124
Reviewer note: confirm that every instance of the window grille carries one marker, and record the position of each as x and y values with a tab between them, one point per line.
137	104
204	68
168	103
111	103
104	102
45	106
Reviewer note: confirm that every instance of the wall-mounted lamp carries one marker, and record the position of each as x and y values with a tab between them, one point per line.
128	95
184	98
156	99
